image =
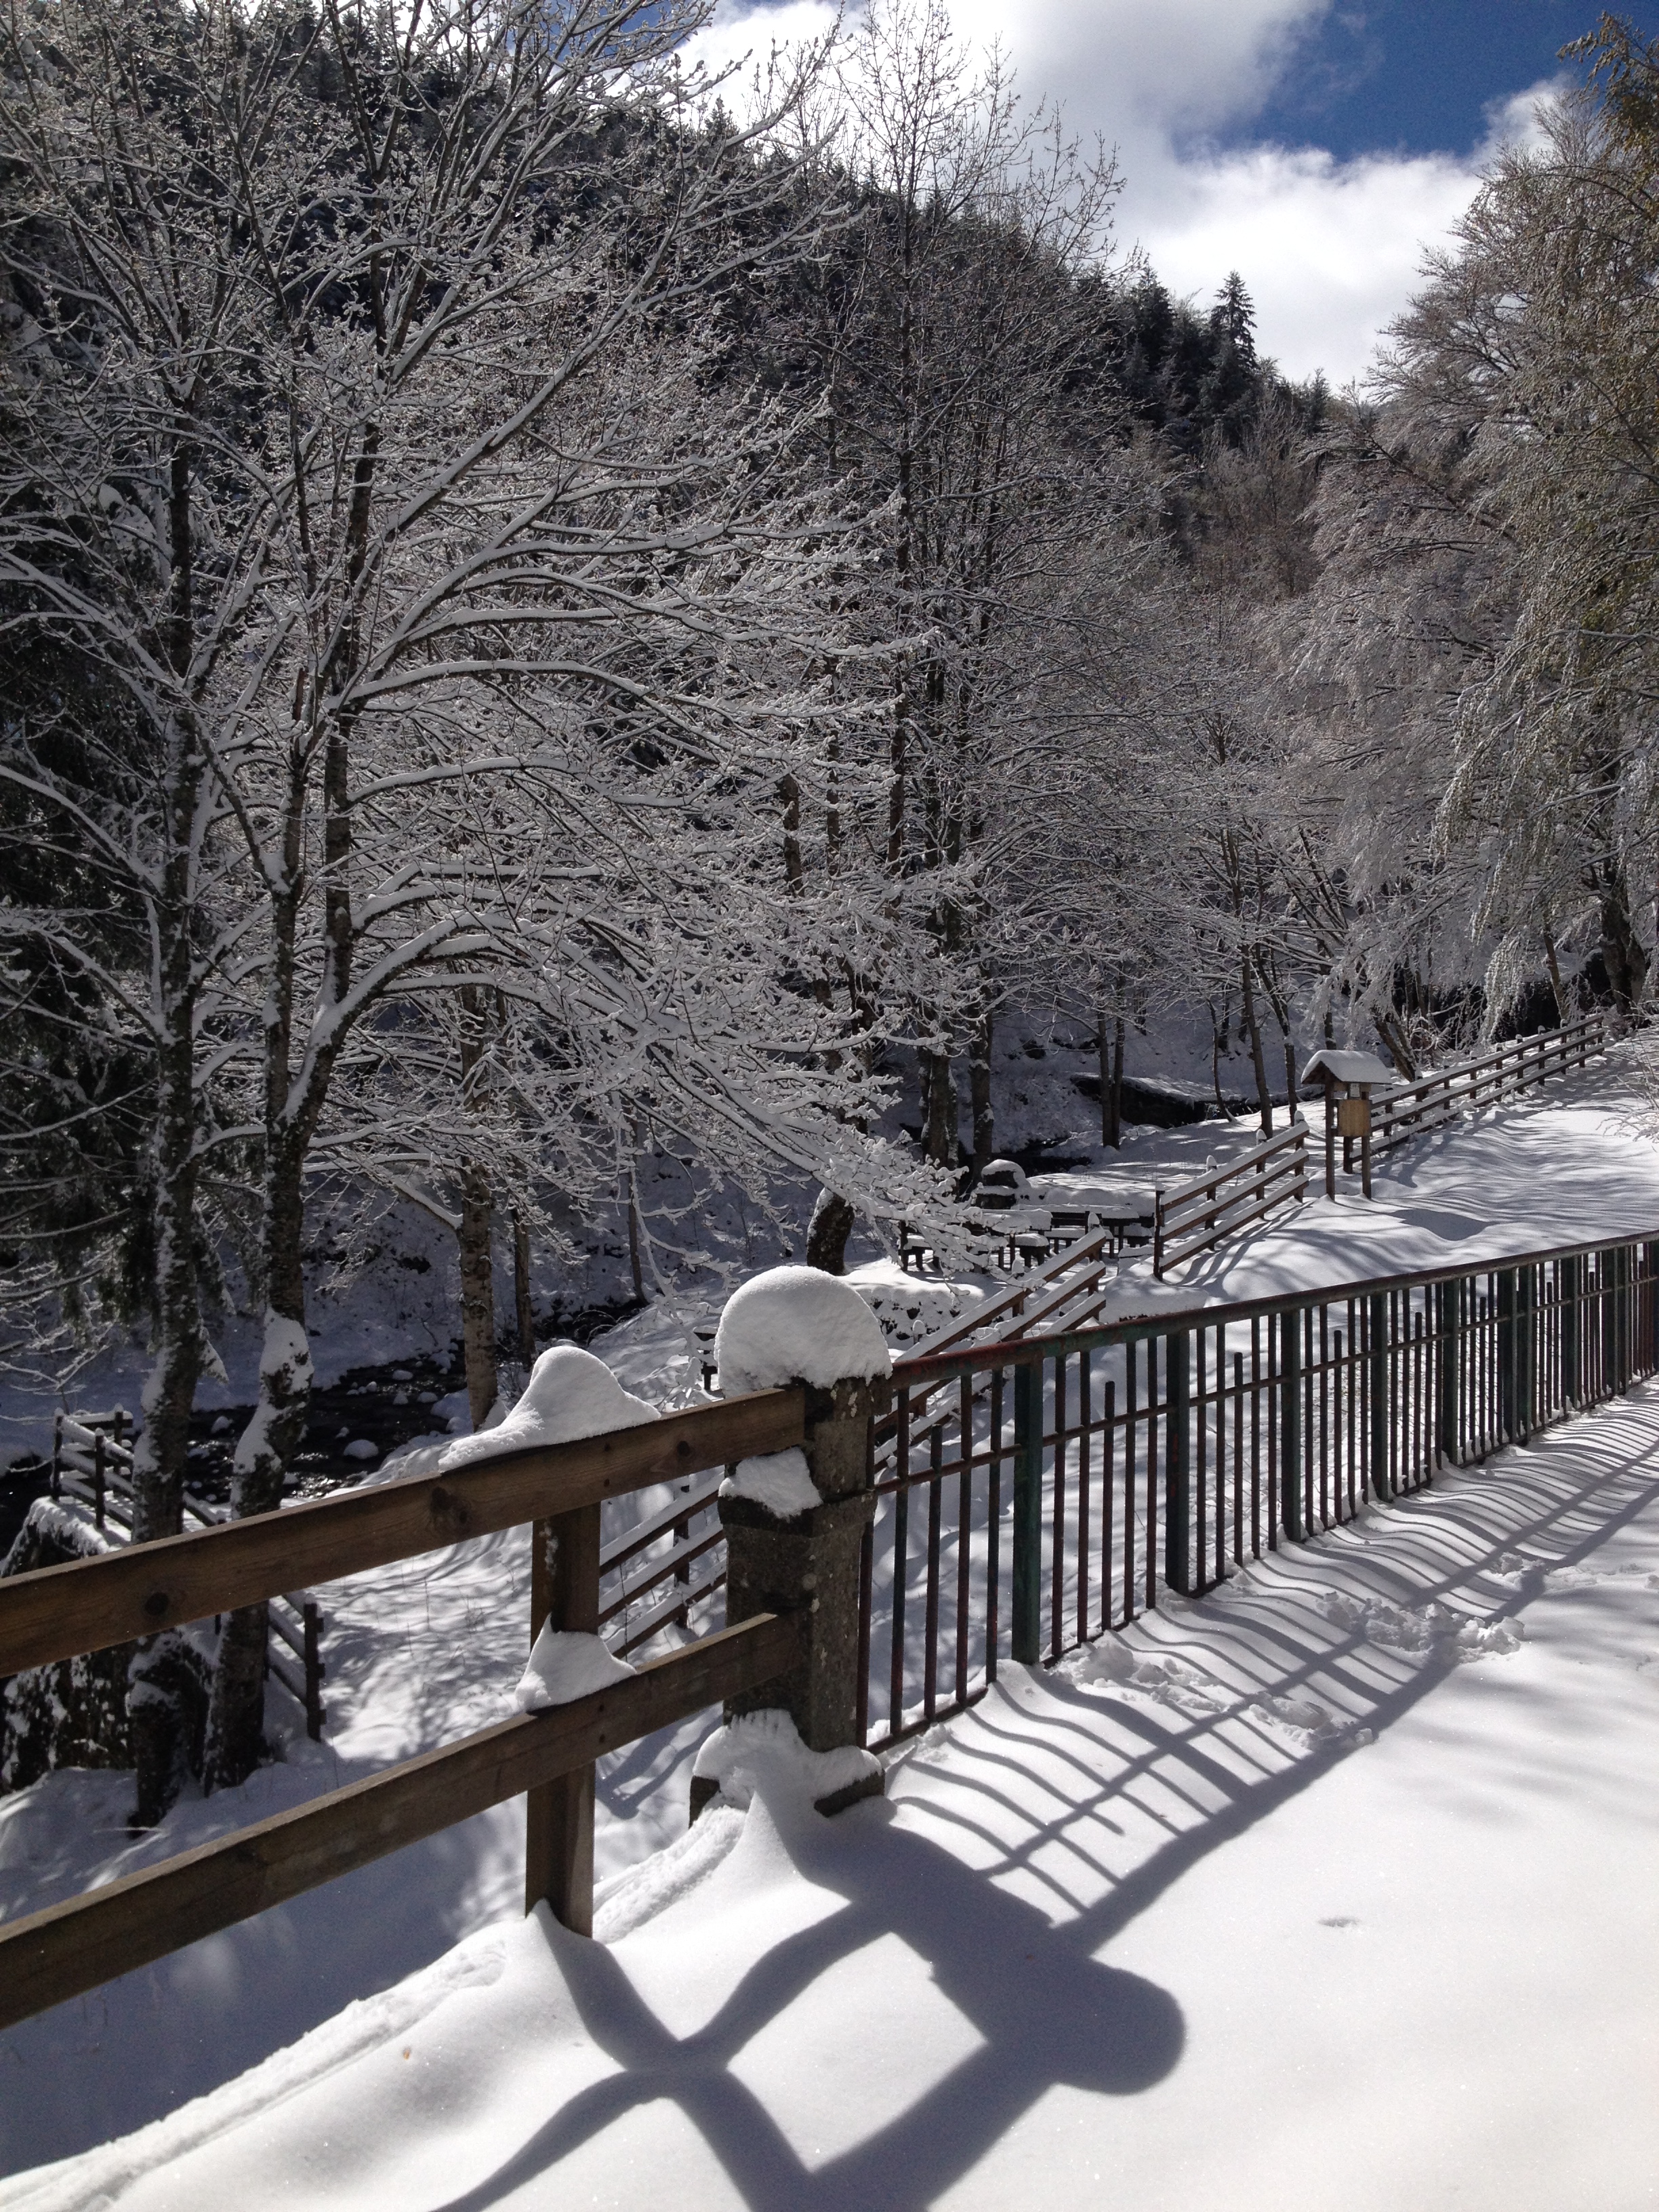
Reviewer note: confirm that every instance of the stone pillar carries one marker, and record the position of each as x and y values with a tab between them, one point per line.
809	1565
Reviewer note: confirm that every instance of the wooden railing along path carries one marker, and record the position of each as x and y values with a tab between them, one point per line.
128	1593
1410	1109
1197	1215
91	1464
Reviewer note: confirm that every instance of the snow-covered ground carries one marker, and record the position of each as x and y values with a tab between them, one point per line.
422	1652
1334	1890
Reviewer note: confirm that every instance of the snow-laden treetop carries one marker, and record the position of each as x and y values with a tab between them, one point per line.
798	1325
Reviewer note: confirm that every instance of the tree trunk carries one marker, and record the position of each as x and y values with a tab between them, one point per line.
938	1095
1252	1031
523	1312
478	1294
1621	948
1108	1046
264	1451
1282	1016
979	1092
634	1268
1562	1016
1393	1040
827	1231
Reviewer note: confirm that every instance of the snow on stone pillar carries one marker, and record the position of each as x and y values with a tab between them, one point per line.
794	1521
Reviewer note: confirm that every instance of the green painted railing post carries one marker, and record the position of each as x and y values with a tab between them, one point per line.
1507	1429
1290	1424
1449	1314
1026	1627
1526	1363
1178	1461
1376	1359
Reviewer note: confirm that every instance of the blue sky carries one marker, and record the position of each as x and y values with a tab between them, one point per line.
1320	147
1414	76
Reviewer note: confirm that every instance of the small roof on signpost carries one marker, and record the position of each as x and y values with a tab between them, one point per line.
1347	1067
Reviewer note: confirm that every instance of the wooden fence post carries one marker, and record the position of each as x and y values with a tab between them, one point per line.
1026	1625
1178	1459
311	1623
564	1592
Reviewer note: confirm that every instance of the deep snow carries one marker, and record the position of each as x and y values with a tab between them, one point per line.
1333	1891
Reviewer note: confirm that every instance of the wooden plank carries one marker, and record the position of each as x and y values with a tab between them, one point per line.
72	1947
661	1570
1207	1212
639	1539
56	1612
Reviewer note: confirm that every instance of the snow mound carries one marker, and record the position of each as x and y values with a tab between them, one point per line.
763	1751
361	1448
798	1325
778	1480
563	1665
569	1395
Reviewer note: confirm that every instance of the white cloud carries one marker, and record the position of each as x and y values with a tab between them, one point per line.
1330	251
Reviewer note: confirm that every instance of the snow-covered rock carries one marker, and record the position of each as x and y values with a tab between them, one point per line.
570	1393
798	1325
763	1751
780	1481
564	1664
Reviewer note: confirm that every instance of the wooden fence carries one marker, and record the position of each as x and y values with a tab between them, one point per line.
1199	1215
91	1464
89	1604
1410	1109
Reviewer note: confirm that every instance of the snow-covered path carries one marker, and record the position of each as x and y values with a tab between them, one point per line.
1338	1890
1565	1165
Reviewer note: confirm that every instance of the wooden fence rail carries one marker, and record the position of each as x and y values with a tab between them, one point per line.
1410	1109
61	1611
1198	1214
56	1612
92	1466
72	1947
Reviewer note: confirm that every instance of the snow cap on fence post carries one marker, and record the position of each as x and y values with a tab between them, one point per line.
794	1533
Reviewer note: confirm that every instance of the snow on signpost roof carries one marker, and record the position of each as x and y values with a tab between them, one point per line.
1347	1067
798	1325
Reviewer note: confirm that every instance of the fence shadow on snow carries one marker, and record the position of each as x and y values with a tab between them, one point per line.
1131	1799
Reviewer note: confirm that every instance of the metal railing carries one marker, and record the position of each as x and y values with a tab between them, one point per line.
1034	1495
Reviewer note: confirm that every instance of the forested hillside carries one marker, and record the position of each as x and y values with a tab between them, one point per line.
558	614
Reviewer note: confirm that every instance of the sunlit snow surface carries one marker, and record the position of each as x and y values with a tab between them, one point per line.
1161	1927
1336	1890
